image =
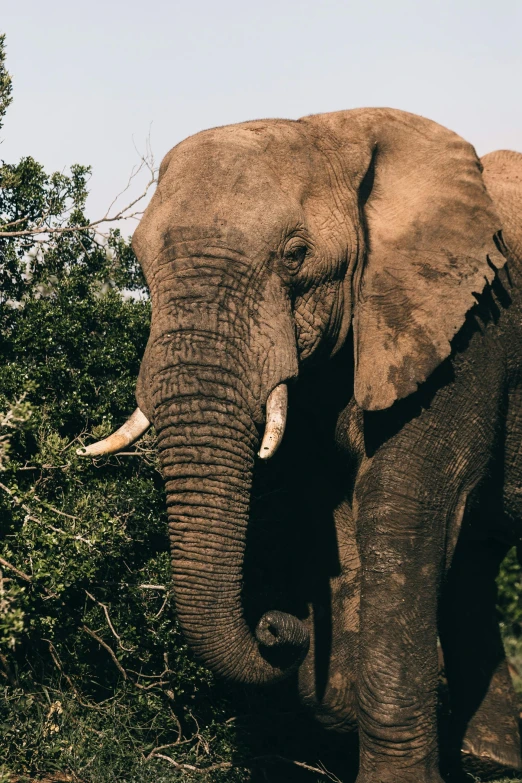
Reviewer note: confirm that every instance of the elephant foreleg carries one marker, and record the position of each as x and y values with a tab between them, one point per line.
398	670
484	715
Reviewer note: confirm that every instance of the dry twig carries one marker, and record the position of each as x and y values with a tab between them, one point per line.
109	650
109	622
19	573
152	587
319	770
125	213
190	767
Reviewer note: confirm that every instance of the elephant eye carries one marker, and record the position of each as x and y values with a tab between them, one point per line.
294	255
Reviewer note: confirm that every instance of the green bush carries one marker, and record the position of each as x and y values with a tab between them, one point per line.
509	592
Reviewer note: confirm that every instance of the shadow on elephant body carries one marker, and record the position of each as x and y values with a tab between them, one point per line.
276	740
293	523
291	550
293	561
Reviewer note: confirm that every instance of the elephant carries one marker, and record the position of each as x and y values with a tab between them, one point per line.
336	309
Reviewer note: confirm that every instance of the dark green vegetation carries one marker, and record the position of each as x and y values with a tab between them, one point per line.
97	683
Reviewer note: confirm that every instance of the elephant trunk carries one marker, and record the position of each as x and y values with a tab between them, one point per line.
207	446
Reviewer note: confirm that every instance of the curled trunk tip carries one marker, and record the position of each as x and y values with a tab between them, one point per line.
279	629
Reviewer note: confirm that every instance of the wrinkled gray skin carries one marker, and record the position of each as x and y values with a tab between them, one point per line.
356	256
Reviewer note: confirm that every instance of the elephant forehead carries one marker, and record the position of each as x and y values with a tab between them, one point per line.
275	144
221	192
222	176
245	185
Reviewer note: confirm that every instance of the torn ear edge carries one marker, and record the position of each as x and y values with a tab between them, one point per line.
413	289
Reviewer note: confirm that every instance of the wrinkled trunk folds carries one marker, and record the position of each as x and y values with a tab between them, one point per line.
207	441
220	342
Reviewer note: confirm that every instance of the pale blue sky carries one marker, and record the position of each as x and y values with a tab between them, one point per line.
90	77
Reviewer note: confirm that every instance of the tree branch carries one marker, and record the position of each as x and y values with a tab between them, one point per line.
109	622
109	650
21	574
318	770
124	213
190	767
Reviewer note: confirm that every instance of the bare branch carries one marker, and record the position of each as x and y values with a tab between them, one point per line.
150	676
7	564
109	623
158	684
43	467
136	453
52	508
125	213
165	747
16	499
109	650
319	770
25	577
14	222
162	607
190	767
146	161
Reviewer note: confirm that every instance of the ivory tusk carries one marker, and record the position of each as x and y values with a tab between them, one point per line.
276	408
127	434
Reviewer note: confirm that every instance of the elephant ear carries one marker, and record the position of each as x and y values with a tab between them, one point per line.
431	245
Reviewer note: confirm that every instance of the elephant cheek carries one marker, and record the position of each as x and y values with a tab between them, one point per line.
323	319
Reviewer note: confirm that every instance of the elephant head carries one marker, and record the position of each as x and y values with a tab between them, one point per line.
266	246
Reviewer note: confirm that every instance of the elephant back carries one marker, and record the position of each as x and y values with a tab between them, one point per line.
503	178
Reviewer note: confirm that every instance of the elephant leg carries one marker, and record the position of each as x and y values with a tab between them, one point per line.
484	715
397	678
